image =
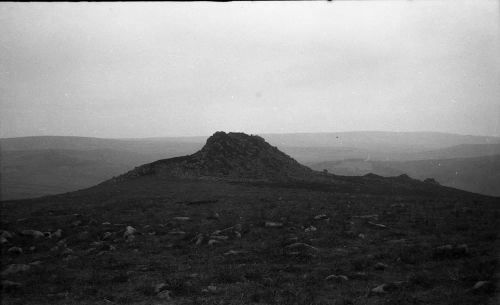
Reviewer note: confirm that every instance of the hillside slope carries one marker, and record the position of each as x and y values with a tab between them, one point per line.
479	175
210	228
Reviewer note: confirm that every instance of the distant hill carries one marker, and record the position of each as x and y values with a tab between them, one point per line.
36	166
478	174
229	155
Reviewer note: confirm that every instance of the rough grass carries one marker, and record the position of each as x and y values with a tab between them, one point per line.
265	273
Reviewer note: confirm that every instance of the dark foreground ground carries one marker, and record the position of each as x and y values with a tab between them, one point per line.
250	244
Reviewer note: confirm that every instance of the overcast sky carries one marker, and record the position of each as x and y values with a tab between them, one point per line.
177	69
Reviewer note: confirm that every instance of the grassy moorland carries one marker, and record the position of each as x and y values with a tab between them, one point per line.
216	242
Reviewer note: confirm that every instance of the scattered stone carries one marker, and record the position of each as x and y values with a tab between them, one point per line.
321	217
36	263
33	233
3	240
237	234
15	250
272	224
380	266
379	289
396	241
214	216
67	251
129	233
160	287
301	249
378	225
338	278
361	235
219	237
106	223
449	251
199	239
482	286
76	223
213	242
388	287
181	218
177	232
234	252
107	235
89	251
129	230
83	236
310	229
165	294
15	268
57	234
373	216
70	258
10	285
212	288
6	234
32	248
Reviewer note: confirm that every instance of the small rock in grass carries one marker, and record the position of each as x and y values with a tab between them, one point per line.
160	287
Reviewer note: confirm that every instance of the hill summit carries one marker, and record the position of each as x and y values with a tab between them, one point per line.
229	155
